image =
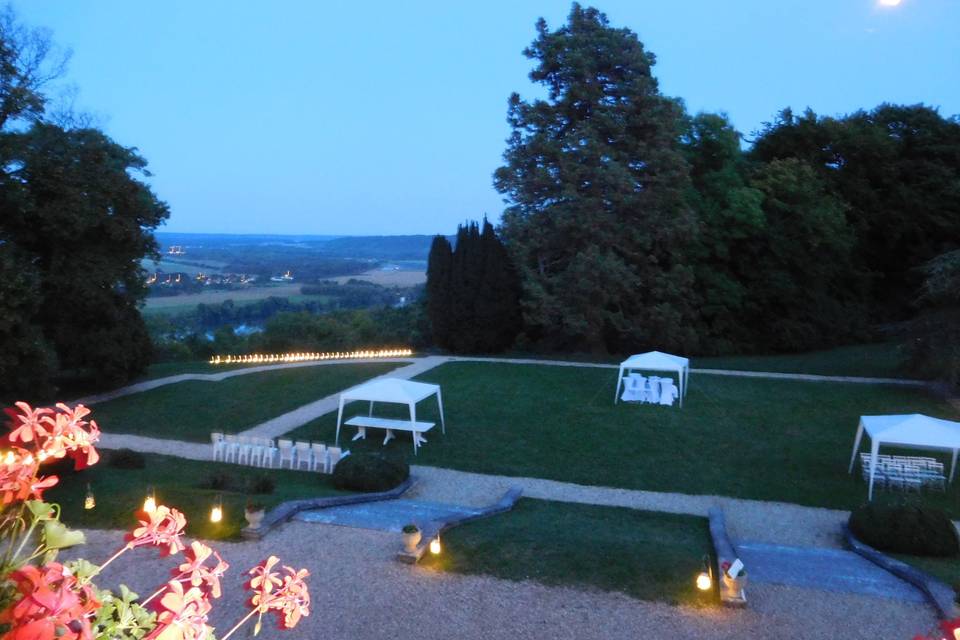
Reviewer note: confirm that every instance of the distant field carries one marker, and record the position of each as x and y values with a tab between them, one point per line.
185	264
190	300
388	278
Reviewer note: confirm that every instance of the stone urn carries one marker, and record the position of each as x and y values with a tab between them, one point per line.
737	584
254	517
411	537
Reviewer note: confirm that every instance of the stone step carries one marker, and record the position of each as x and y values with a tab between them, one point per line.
388	515
824	569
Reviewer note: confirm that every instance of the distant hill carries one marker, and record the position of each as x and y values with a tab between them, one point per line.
379	248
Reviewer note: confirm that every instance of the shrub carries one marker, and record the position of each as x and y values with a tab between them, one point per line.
904	528
220	481
369	472
261	484
126	459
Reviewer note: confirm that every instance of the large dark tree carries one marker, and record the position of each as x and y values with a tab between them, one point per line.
439	299
594	181
898	168
75	222
472	292
732	221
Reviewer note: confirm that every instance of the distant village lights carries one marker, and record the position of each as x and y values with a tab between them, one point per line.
268	358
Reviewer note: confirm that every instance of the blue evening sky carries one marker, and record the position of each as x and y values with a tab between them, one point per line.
361	117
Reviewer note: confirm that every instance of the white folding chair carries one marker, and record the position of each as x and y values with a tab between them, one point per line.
668	392
268	452
319	451
231	447
633	385
246	449
216	439
303	454
285	448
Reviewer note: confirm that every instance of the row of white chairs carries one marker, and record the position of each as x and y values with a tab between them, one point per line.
638	388
264	452
906	473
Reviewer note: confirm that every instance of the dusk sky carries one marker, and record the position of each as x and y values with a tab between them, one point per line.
369	118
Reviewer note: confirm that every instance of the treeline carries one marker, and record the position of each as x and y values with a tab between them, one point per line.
635	225
291	331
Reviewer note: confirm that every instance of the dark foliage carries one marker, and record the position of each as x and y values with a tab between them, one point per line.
933	347
910	529
369	472
126	459
261	484
473	292
219	481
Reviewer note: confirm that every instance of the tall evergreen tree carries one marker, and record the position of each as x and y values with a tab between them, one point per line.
594	179
498	299
439	299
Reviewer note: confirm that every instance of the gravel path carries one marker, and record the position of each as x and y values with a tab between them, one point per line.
361	592
775	522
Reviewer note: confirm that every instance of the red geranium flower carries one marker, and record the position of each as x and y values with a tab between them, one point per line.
181	615
197	573
52	605
163	528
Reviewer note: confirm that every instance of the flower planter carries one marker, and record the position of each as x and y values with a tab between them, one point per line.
411	540
254	518
737	584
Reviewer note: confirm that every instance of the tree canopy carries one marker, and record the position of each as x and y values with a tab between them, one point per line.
594	180
77	220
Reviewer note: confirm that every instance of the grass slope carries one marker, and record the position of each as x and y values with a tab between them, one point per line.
120	492
191	410
753	438
644	554
884	360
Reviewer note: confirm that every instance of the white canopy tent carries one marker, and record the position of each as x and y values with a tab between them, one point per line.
393	390
656	361
915	431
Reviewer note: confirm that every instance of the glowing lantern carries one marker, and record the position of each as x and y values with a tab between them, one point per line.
704	581
89	502
435	546
150	502
216	514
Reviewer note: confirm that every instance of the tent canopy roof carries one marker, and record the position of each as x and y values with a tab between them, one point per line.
913	429
391	390
656	360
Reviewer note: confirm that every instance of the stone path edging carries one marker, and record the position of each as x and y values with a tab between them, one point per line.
286	510
729	597
433	529
941	596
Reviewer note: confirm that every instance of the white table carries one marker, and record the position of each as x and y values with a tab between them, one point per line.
417	428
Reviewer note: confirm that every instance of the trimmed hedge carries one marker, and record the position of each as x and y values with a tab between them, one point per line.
126	459
903	528
369	472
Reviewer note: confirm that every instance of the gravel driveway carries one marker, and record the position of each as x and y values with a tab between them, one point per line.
360	592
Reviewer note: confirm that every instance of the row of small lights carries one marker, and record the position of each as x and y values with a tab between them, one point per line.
258	358
216	512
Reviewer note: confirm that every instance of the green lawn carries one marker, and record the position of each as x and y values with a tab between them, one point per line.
644	554
753	438
191	410
177	483
884	360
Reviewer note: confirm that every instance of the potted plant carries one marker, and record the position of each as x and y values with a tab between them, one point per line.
411	537
253	512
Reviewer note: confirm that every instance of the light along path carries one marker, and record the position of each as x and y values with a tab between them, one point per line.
147	385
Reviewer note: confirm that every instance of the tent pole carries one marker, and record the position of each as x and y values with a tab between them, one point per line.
856	446
874	450
336	440
443	426
413	423
953	465
616	394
